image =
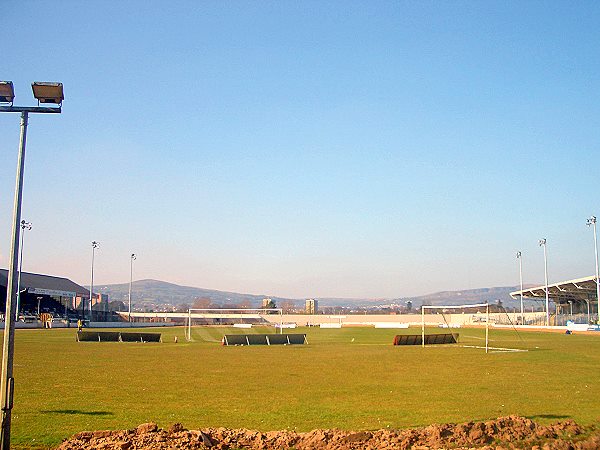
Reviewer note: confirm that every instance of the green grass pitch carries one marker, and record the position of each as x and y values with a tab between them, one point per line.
349	378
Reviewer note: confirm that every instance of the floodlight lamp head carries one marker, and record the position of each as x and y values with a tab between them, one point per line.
133	256
95	244
25	225
46	92
591	221
7	92
542	242
518	255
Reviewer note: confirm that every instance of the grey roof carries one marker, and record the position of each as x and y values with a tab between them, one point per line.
578	290
38	281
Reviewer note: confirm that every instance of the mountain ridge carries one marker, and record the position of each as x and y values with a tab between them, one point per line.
157	293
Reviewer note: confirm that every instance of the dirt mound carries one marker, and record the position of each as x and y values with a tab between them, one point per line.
511	432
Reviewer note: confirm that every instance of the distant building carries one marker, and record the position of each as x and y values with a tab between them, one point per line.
268	303
99	301
312	306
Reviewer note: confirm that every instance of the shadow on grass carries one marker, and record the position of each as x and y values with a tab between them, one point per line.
77	412
548	416
486	419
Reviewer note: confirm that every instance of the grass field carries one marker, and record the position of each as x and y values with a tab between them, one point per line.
350	378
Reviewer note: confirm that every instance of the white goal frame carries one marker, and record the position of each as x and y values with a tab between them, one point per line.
478	305
230	313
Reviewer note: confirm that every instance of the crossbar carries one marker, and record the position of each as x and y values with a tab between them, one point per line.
478	305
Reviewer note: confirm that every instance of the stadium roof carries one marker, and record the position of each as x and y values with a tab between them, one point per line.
45	284
578	290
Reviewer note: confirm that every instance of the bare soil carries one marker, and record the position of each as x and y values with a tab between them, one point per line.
510	432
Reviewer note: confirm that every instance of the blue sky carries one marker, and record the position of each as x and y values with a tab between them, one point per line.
355	149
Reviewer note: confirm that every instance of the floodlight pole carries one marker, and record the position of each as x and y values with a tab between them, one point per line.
7	382
520	258
133	257
592	221
94	247
542	243
588	310
422	326
189	327
571	309
24	226
487	326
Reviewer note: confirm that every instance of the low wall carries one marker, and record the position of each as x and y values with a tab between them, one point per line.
397	320
433	319
145	320
63	324
129	324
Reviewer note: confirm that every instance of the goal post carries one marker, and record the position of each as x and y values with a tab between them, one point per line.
232	314
458	307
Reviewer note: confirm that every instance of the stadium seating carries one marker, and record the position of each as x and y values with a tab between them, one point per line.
140	337
264	339
430	339
117	336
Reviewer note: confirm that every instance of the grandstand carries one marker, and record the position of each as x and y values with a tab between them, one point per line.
575	300
60	297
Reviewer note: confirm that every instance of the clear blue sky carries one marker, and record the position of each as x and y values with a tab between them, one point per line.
379	149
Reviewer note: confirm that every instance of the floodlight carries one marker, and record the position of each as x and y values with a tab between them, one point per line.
7	92
46	92
542	243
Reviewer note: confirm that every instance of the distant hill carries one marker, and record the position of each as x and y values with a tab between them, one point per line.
155	293
470	296
158	294
464	297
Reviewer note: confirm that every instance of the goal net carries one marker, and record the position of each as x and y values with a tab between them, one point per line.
202	324
471	326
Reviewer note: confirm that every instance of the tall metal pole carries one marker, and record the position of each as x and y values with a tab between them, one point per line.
8	382
597	279
592	221
487	326
189	325
422	326
588	309
571	309
24	226
520	258
133	257
543	244
94	247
